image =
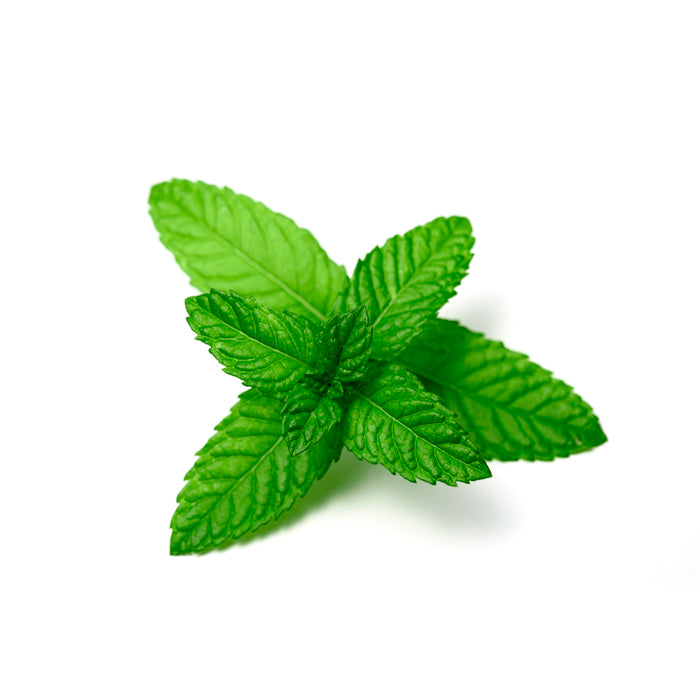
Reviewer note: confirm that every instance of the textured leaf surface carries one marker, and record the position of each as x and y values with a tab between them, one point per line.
224	240
408	279
265	348
310	412
244	477
395	422
512	407
346	345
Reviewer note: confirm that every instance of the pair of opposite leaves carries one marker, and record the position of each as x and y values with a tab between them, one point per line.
362	363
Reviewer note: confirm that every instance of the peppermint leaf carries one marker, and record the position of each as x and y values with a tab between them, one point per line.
512	407
224	240
407	280
392	420
244	477
346	345
265	348
310	412
314	406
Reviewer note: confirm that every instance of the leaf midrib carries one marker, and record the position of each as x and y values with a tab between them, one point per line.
260	342
410	430
489	403
253	263
237	479
411	280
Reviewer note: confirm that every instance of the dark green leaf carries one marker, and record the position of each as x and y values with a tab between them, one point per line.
310	412
224	240
346	345
265	348
407	280
392	420
512	407
244	477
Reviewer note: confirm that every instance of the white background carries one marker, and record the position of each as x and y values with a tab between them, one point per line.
566	131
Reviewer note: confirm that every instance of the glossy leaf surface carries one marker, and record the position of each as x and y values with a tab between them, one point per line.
265	348
228	241
346	345
408	279
512	407
393	421
244	477
310	412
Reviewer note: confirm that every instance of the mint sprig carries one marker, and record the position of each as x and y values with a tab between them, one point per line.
362	363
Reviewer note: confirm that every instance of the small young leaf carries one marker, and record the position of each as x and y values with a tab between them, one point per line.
265	348
224	240
407	280
244	477
392	420
512	407
310	412
346	345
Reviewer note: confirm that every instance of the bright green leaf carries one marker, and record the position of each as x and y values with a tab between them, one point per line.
512	407
346	345
310	412
407	280
244	477
228	241
392	420
266	348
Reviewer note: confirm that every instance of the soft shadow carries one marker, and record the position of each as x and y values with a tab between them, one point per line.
484	312
476	508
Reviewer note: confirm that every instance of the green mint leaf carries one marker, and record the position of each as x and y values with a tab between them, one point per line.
407	280
244	477
315	405
346	345
392	420
224	240
512	407
310	412
266	348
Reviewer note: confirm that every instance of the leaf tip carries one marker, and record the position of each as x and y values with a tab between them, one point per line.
156	193
297	443
176	545
163	190
192	303
480	470
597	436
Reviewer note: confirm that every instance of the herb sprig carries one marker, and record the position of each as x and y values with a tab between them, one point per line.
362	363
